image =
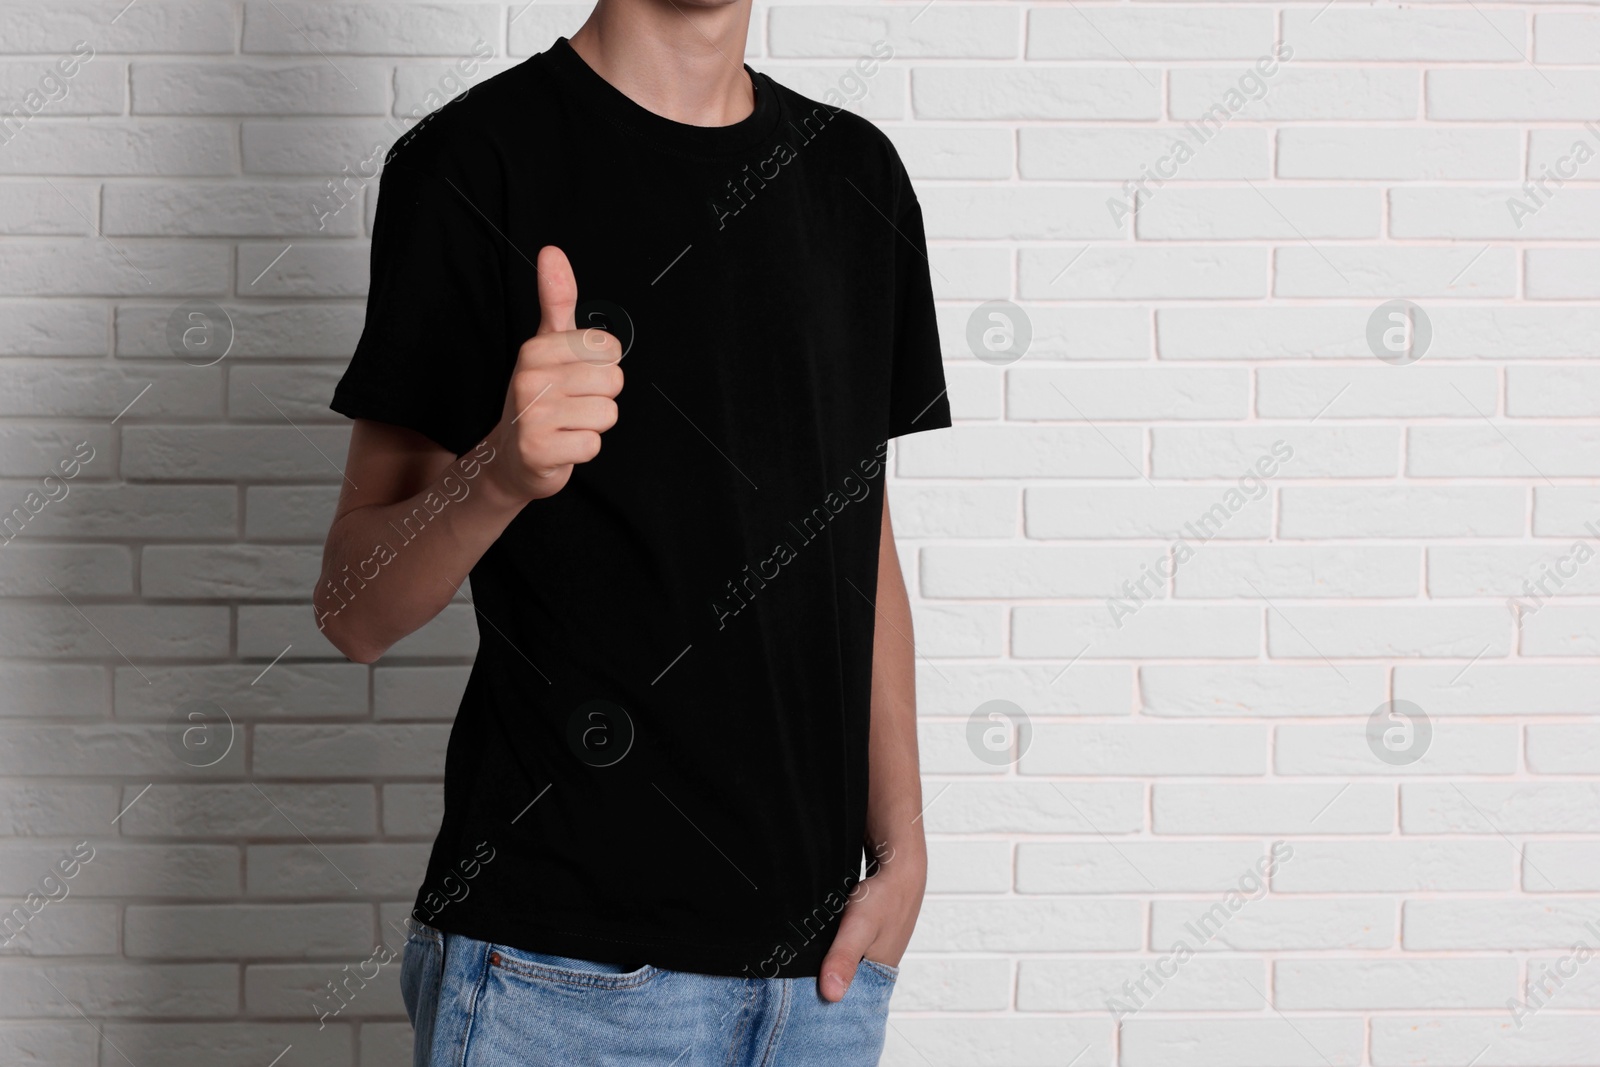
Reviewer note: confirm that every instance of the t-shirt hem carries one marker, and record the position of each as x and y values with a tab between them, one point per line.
754	959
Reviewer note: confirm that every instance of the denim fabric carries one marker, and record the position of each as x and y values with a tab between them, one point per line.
473	1004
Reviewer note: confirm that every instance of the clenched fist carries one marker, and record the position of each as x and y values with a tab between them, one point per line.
561	396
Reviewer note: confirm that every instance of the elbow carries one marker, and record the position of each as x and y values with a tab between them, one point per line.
352	645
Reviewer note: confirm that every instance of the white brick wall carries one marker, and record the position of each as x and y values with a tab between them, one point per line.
1224	709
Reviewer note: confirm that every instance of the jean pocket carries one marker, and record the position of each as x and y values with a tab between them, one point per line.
883	970
568	971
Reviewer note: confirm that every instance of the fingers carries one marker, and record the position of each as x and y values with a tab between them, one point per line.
839	965
558	291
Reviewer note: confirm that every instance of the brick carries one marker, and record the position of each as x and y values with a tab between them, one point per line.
1349	630
1034	93
151	26
298	990
1183	690
335	870
1559	391
110	148
954	511
967	32
346	751
1301	572
1112	34
1562	273
1133	866
1087	984
1005	1041
1505	571
1366	985
269	931
1247	454
1260	213
73	570
139	631
1147	749
1565	36
99	389
1033	807
234	452
1450	925
1419	33
37	209
1560	867
54	690
954	151
1398	867
1564	748
883	97
54	1043
120	871
305	332
969	866
1564	510
1021	452
1505	214
68	929
368	29
1558	630
1061	333
1394	271
99	87
418	692
1159	631
231	811
1512	451
1085	689
1500	95
52	328
1348	94
1119	154
953	983
1501	689
290	512
1281	1042
121	990
1137	512
412	809
1326	512
1456	748
1033	924
1553	1041
147	512
1018	212
1226	808
1403	153
1272	924
1074	394
1023	573
55	810
101	267
1486	807
1378	391
227	1044
48	750
314	269
257	88
230	209
1110	273
242	572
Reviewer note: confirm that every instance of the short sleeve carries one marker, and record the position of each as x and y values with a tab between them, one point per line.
918	399
432	355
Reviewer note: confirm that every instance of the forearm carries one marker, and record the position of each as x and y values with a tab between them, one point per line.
894	799
389	568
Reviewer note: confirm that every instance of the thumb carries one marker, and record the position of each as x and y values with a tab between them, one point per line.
844	956
558	291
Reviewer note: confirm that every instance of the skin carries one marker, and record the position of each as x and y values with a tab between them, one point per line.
683	61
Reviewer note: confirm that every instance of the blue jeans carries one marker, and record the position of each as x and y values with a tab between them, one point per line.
474	1004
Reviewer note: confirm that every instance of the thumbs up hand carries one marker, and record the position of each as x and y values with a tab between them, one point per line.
561	396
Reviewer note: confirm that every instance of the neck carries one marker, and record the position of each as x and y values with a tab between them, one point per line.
683	61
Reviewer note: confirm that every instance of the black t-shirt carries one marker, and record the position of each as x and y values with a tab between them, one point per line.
661	754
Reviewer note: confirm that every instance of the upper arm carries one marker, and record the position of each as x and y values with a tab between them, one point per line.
387	464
